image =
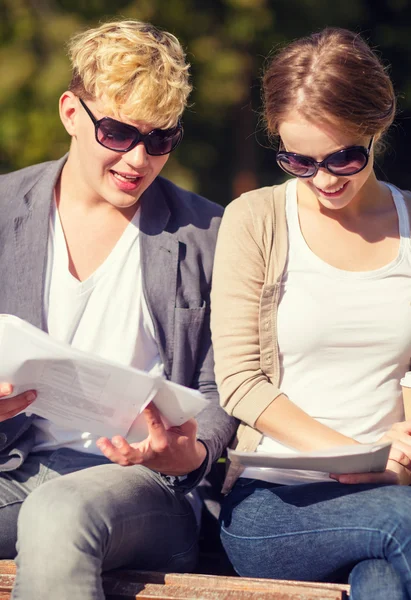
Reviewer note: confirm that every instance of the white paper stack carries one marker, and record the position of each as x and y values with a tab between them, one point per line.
79	390
358	458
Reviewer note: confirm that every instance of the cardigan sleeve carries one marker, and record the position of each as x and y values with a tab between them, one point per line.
238	280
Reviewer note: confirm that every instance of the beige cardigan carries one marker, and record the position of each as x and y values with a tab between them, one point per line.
248	268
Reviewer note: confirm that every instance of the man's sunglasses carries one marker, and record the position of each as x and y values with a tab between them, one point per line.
345	162
121	137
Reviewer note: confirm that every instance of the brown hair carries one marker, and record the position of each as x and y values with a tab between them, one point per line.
331	77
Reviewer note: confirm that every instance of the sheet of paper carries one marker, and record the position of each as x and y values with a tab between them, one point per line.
361	458
176	403
82	391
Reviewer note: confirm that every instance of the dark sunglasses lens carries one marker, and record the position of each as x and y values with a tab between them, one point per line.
118	136
296	165
347	162
114	135
163	141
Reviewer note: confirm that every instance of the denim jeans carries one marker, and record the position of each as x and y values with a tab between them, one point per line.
75	514
322	532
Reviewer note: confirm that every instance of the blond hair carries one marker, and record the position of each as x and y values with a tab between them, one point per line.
135	69
331	76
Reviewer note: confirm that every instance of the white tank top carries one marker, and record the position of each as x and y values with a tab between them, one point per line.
344	339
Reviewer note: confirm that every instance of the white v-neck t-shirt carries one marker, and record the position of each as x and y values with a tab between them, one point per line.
344	339
106	314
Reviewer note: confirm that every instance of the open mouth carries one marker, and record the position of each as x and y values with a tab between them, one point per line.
125	182
124	177
333	193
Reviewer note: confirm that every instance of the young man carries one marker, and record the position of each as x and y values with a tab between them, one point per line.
101	252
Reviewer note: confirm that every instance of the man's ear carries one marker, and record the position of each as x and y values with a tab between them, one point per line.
68	107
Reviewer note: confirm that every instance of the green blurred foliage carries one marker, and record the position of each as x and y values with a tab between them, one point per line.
227	41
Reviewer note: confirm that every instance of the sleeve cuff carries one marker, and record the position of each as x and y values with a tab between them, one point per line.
185	483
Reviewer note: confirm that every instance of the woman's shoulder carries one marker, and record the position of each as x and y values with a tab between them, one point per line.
258	202
257	216
405	193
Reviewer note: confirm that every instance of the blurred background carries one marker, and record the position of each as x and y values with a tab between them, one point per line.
225	151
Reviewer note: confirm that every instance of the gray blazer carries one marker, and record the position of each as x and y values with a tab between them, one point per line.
178	235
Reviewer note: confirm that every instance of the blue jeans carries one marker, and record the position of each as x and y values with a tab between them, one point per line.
322	532
75	514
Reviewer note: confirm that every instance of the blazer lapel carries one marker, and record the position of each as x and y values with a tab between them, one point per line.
159	264
31	227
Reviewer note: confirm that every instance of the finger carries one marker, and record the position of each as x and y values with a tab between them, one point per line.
120	451
111	452
402	426
135	454
5	389
404	438
11	406
9	415
156	429
401	453
189	428
352	478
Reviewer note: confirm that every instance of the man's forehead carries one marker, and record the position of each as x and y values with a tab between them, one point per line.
127	114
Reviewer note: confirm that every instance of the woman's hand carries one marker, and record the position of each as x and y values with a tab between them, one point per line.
400	434
397	472
10	407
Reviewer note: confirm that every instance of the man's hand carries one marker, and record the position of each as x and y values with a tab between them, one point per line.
174	451
10	407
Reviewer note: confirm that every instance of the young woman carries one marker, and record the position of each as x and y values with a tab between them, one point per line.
311	308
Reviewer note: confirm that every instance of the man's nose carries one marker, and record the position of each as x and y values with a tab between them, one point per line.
137	157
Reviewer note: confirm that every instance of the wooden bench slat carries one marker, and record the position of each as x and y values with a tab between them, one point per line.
247	582
176	585
7	567
212	580
146	585
176	592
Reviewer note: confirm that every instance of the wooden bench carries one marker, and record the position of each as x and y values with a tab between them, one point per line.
147	585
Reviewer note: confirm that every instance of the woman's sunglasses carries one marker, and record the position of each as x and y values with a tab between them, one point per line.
345	162
121	137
